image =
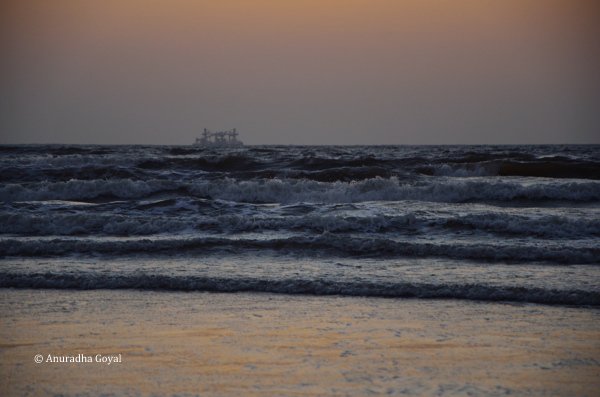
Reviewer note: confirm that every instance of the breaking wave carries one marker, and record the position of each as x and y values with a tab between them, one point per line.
291	190
301	287
433	214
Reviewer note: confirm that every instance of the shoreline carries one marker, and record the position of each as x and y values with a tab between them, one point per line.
270	344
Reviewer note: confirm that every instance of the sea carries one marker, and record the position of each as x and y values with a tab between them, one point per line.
514	224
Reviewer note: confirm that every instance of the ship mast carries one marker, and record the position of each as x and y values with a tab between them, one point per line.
219	138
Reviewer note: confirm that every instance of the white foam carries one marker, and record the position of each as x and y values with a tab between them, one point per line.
292	191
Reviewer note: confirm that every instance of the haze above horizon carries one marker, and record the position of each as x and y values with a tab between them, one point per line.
300	72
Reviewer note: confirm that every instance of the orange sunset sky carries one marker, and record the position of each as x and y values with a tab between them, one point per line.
300	72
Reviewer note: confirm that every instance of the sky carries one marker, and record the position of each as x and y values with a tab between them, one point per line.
300	71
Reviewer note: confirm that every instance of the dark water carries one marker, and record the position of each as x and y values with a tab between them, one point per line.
515	223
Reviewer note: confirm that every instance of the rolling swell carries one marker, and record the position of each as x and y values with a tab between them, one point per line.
330	164
551	169
18	175
55	150
300	287
291	190
325	244
538	168
89	223
230	162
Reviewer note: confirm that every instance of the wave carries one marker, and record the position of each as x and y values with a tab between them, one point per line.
551	169
342	174
300	287
84	189
549	226
328	164
89	223
540	168
291	190
307	246
85	172
231	162
323	163
484	154
57	149
353	166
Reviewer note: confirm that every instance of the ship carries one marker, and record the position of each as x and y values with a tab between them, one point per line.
219	139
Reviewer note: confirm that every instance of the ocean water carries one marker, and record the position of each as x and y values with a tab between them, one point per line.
487	223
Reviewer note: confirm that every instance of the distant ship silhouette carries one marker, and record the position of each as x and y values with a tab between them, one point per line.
219	139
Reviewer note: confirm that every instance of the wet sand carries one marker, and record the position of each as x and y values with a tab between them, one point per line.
262	344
